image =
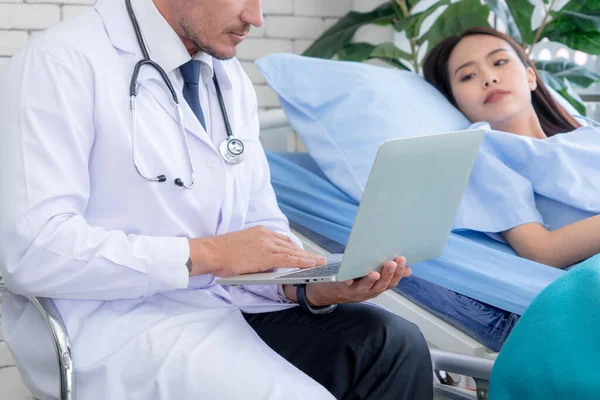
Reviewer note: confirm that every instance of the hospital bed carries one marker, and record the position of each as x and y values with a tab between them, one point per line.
451	349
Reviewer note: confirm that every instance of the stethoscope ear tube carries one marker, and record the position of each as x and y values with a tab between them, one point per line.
136	29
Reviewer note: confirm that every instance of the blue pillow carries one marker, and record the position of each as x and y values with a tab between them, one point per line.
342	111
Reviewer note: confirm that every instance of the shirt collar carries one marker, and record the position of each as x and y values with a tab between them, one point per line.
164	45
169	53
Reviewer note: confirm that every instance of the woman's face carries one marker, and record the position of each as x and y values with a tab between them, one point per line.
488	81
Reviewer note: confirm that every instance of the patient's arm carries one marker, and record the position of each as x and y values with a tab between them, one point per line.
560	248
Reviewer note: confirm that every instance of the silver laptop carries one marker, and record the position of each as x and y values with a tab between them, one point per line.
407	209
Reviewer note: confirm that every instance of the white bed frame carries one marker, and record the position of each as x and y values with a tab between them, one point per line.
277	135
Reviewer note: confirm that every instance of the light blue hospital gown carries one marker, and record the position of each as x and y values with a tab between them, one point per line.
517	180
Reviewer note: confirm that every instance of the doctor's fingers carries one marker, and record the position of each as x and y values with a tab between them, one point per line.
402	271
407	271
289	261
284	248
363	285
284	238
283	243
267	235
388	273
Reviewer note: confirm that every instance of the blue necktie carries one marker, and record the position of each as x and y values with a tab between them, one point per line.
191	89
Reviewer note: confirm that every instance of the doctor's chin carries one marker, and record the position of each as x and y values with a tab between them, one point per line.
300	199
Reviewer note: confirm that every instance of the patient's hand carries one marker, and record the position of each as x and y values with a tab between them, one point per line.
356	290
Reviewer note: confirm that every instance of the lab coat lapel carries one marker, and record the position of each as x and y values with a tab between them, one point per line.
120	31
118	26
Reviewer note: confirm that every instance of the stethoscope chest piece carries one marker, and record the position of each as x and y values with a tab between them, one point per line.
232	150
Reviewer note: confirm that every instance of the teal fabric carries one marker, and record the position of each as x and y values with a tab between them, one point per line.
554	351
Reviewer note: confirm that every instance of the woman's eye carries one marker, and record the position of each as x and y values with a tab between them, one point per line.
500	62
467	77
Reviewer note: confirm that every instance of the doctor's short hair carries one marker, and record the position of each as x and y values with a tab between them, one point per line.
553	117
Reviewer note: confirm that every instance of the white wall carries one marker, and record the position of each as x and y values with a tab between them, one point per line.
290	26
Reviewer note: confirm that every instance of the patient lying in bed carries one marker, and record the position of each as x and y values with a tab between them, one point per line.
533	186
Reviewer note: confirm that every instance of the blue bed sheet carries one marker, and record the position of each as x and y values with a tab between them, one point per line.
485	323
472	263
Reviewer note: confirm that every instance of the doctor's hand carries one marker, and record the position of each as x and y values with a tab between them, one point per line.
356	290
256	249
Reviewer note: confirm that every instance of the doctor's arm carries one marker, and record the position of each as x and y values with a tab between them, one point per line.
559	248
47	248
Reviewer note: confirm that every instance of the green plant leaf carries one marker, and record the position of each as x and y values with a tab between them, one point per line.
577	25
522	10
387	52
411	3
355	52
580	77
340	34
412	25
562	87
583	6
552	81
394	62
582	22
397	10
588	42
503	13
575	101
457	17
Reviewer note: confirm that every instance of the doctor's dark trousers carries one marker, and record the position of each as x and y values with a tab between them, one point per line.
357	352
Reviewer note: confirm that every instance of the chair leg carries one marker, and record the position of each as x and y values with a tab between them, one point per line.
62	347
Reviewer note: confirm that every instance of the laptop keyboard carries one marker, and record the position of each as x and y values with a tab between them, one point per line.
326	270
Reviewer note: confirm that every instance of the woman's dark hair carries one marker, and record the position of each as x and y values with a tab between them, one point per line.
553	117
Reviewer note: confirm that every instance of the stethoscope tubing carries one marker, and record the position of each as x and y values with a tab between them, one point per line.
133	92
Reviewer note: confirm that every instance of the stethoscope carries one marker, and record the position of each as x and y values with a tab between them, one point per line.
231	149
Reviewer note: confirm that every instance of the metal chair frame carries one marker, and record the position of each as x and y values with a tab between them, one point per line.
61	344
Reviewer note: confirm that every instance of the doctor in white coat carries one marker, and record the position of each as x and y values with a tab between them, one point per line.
130	263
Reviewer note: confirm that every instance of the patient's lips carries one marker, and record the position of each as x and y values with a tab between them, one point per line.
495	95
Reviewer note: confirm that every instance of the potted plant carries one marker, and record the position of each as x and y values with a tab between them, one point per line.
576	24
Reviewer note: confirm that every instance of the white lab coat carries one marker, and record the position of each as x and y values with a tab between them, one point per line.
80	226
